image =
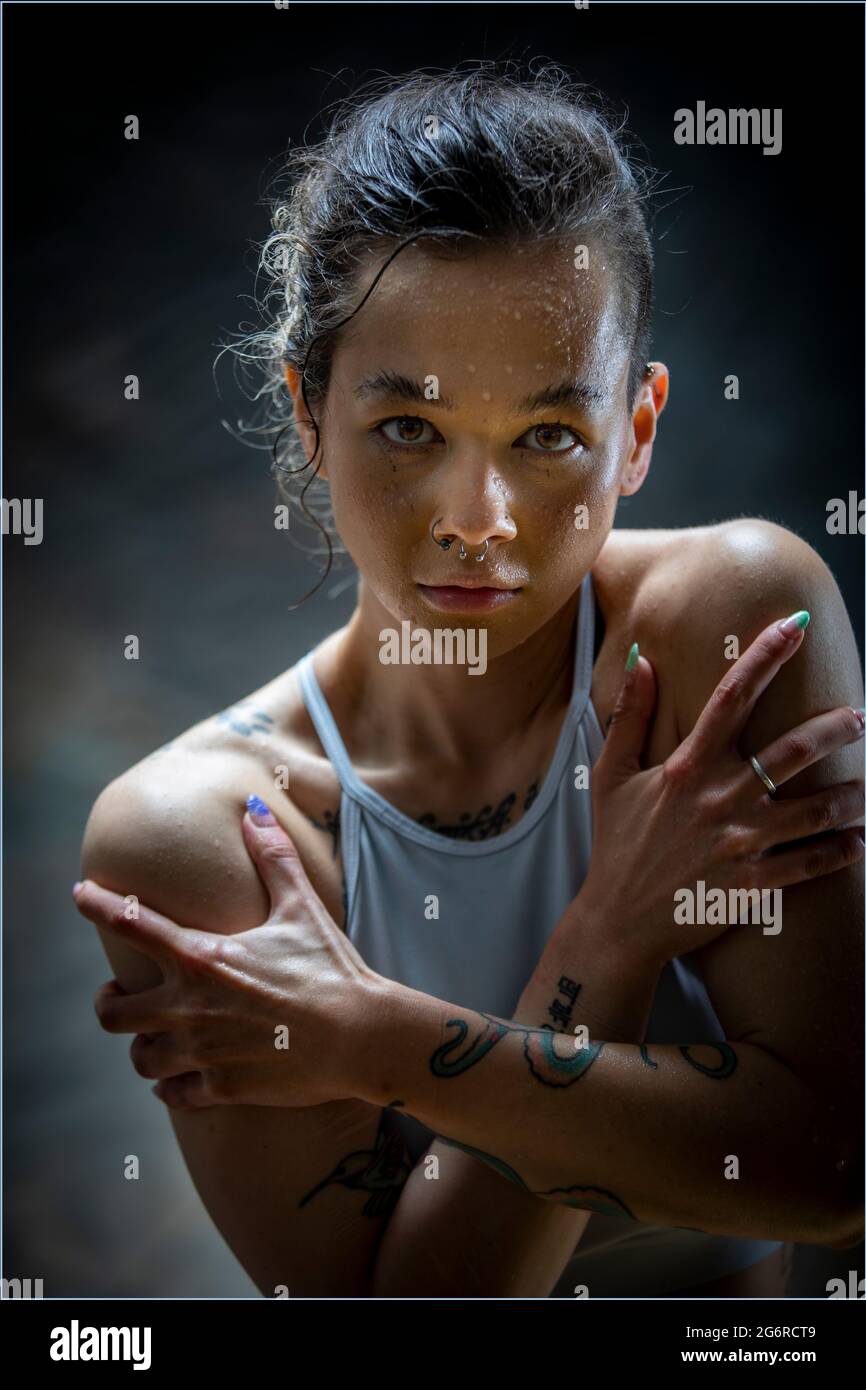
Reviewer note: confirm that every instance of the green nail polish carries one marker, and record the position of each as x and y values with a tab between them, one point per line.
634	653
802	618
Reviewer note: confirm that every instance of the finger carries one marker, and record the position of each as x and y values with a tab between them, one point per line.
159	1058
810	742
147	931
185	1092
145	1012
628	724
727	711
274	854
815	860
829	809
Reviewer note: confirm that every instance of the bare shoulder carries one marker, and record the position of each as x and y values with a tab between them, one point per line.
699	597
168	828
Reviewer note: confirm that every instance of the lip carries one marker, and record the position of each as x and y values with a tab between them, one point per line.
468	596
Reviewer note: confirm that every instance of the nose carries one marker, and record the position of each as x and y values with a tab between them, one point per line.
472	504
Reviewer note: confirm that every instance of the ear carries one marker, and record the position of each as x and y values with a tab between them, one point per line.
651	400
306	433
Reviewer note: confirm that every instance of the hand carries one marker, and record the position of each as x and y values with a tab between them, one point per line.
270	1016
704	813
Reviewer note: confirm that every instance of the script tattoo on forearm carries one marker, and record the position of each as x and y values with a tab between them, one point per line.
381	1172
547	1065
597	1199
559	1012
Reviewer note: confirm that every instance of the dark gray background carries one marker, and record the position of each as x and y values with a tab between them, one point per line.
129	257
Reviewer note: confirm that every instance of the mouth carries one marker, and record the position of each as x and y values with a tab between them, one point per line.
468	596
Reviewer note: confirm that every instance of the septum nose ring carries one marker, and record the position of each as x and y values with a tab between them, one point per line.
447	541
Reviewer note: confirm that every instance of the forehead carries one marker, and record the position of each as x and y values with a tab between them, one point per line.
522	312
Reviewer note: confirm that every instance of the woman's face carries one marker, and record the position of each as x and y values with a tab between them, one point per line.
485	395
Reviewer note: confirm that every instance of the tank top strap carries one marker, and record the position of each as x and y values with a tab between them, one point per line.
323	720
584	649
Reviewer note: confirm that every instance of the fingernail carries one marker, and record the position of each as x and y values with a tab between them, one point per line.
260	814
797	621
633	654
76	887
861	718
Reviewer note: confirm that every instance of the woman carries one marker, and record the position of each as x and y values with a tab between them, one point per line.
465	279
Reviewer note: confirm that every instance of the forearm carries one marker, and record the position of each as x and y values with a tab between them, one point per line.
480	1233
723	1138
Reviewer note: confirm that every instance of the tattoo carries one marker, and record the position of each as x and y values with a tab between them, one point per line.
244	718
481	1044
331	827
381	1171
485	823
559	1012
547	1065
725	1067
614	1206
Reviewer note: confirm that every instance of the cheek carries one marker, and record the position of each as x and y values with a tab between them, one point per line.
357	492
579	515
376	515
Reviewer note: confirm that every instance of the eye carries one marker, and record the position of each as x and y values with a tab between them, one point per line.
409	430
548	438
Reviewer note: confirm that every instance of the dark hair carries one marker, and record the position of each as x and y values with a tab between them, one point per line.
491	154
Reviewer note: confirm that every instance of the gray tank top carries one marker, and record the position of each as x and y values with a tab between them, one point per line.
466	920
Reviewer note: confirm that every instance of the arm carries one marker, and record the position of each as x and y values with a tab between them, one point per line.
656	1128
471	1231
641	1132
301	1196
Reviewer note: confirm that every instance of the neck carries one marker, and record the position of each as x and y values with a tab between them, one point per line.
441	709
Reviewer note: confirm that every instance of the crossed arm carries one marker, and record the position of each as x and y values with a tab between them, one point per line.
653	1131
789	1010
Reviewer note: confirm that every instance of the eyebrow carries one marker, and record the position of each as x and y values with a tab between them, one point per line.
574	392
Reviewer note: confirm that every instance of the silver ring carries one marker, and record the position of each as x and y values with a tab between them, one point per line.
447	542
462	555
765	778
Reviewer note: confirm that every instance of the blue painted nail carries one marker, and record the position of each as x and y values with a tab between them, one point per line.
260	814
